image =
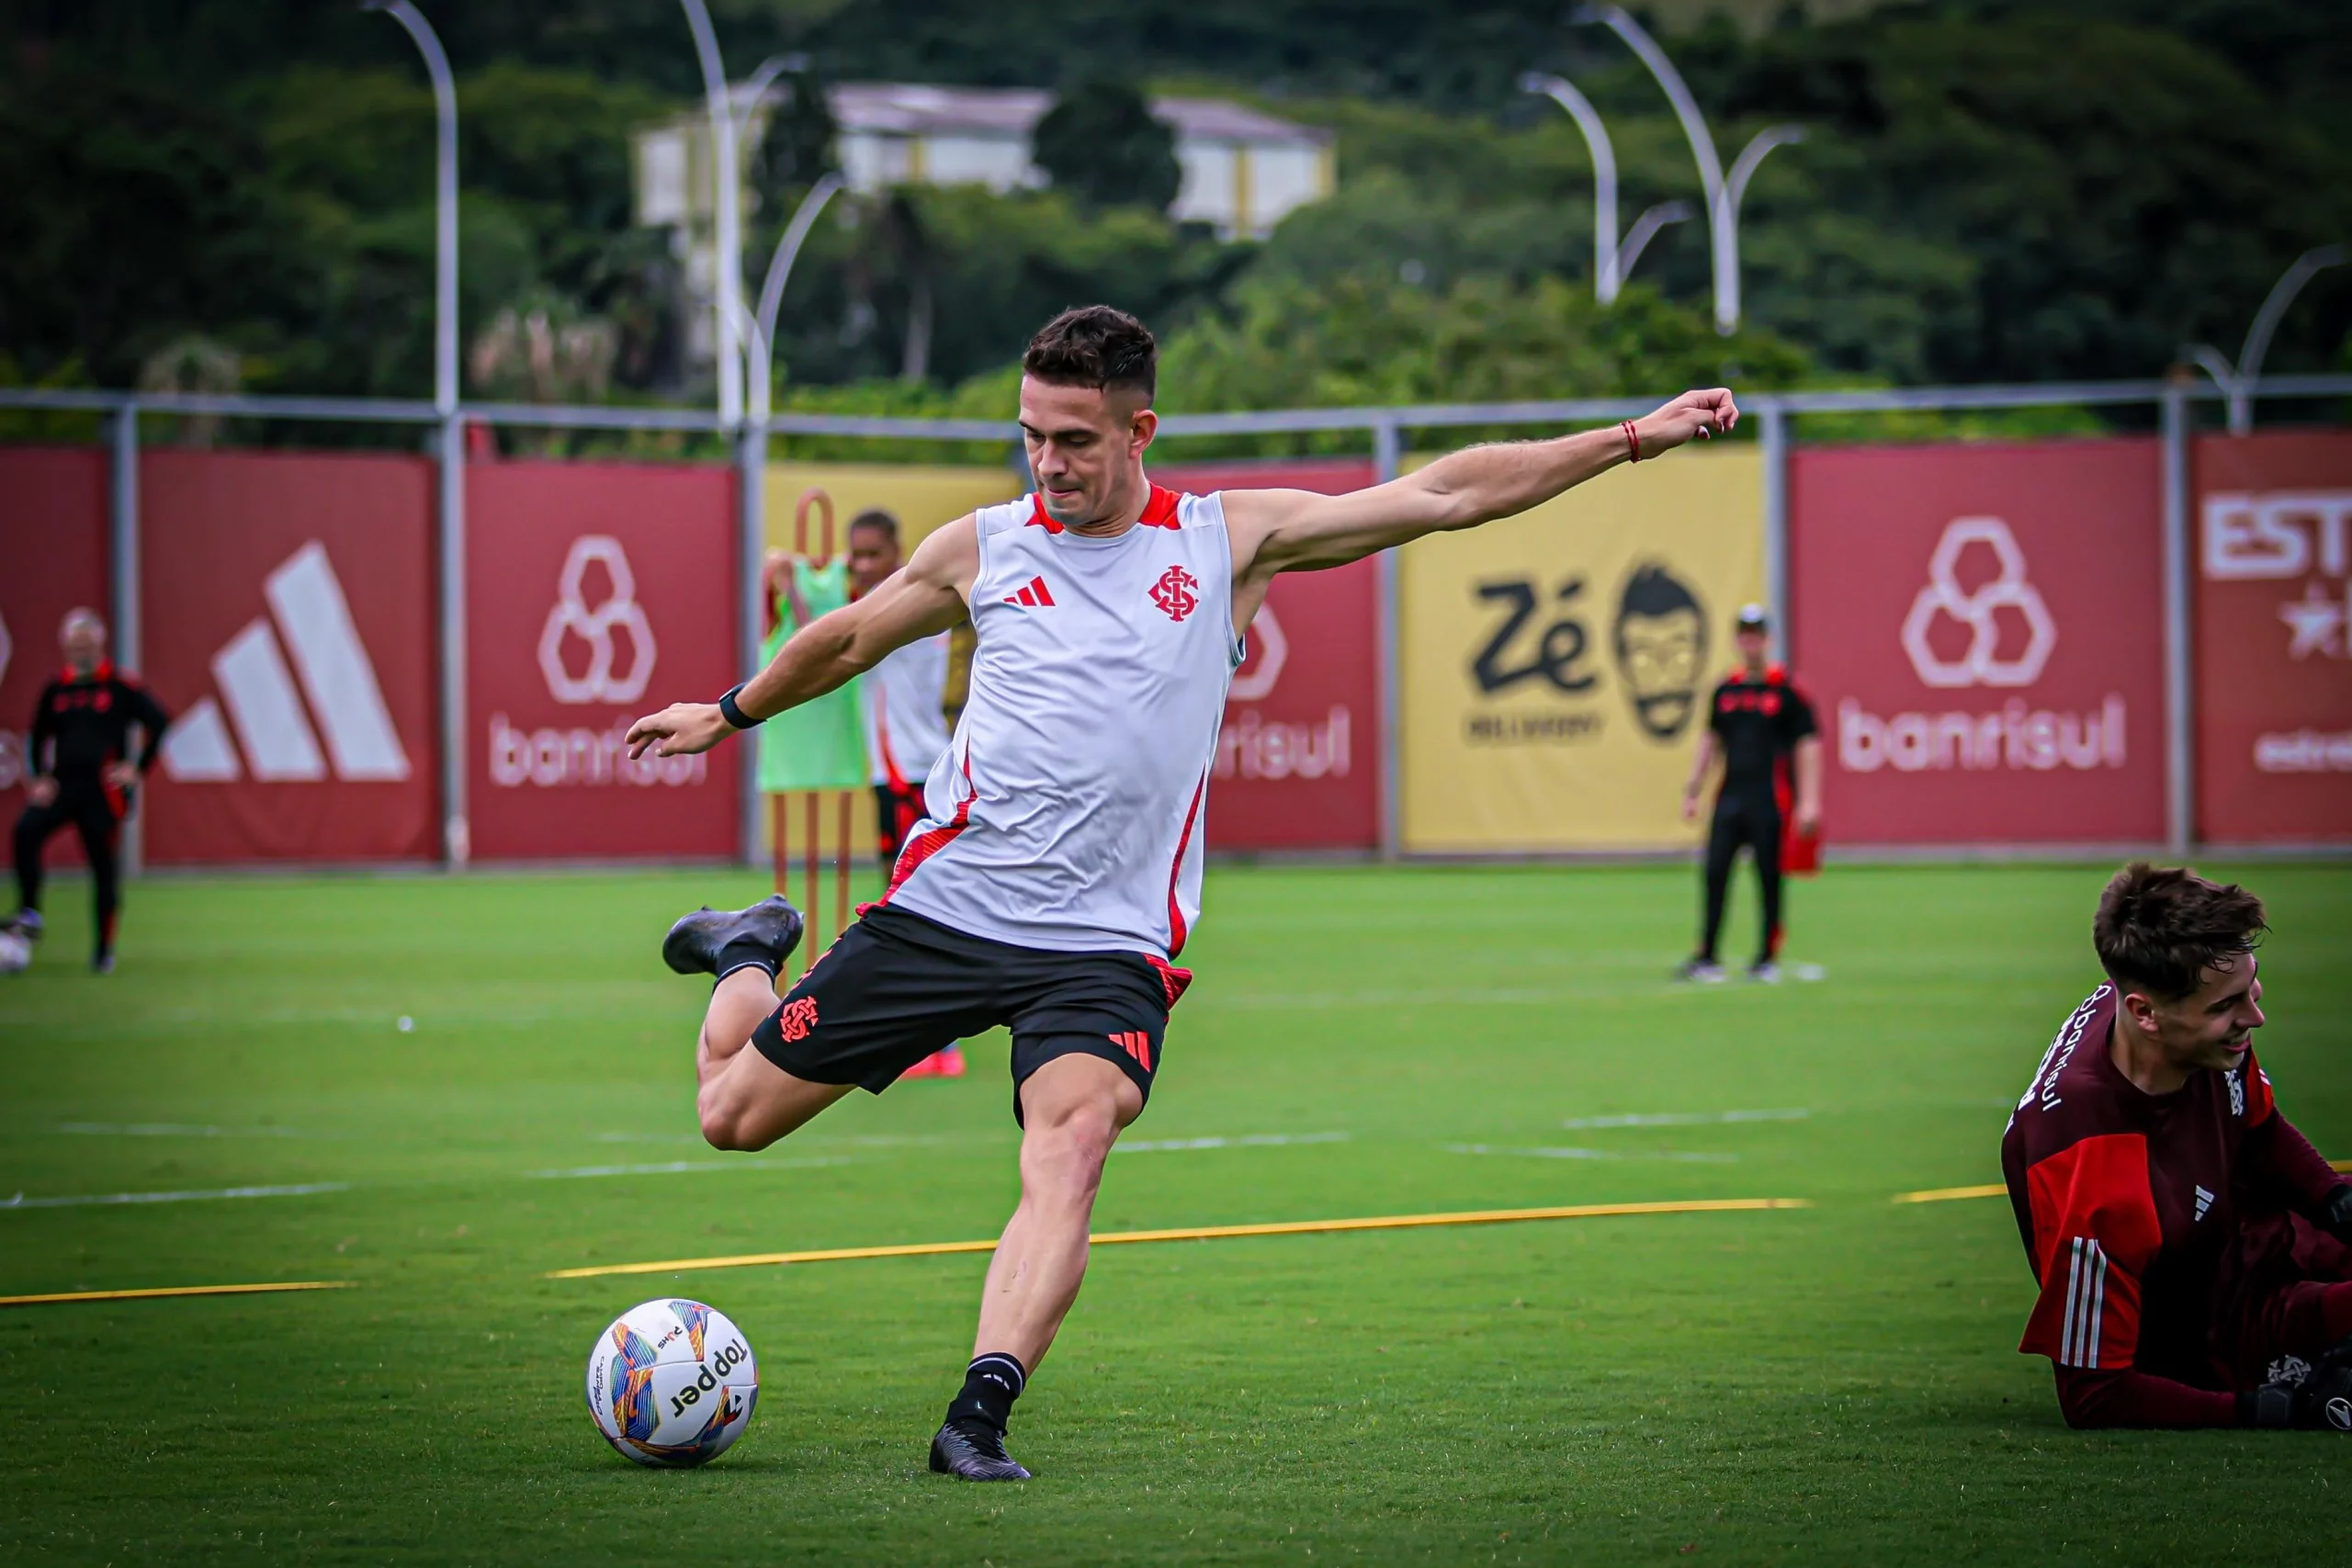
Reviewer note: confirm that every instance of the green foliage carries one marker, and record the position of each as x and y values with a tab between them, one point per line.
1101	145
1360	341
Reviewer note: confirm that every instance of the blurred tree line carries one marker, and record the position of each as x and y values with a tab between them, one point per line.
206	194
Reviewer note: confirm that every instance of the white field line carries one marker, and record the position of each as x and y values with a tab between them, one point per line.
1251	1141
304	1190
1480	996
1682	1118
1687	1158
170	1130
678	1166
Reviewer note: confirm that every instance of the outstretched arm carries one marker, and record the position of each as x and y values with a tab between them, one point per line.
928	594
1289	530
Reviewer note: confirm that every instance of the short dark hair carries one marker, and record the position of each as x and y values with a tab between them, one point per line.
1654	591
2160	928
1094	345
880	517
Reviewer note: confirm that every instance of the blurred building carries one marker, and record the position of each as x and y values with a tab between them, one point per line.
1243	171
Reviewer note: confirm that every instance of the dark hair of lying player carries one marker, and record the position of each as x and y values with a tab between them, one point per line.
2159	929
1095	345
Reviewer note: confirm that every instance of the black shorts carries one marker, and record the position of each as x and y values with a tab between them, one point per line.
896	986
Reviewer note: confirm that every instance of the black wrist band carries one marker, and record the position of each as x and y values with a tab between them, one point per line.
732	714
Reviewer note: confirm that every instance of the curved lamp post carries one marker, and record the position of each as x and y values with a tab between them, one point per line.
2236	381
1723	195
726	175
456	833
1613	263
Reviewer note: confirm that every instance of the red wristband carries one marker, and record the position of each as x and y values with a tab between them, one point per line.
1633	443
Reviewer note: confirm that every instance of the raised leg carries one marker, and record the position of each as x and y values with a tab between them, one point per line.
744	1101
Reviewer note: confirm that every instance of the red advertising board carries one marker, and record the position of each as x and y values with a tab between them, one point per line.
1298	760
595	592
2274	636
53	558
286	622
1981	628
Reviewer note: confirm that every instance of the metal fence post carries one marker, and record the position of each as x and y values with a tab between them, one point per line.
122	575
2180	799
1387	455
456	834
751	533
1772	436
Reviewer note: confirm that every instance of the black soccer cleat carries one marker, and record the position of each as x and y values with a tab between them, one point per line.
770	928
973	1451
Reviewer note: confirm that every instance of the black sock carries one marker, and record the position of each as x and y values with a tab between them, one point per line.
746	952
990	1385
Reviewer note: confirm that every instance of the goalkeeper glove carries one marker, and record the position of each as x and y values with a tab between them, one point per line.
2336	1214
2311	1395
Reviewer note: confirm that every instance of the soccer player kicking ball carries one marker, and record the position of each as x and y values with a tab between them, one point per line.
2191	1244
1052	882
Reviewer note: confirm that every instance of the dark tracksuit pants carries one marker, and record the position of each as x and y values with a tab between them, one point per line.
88	808
1753	818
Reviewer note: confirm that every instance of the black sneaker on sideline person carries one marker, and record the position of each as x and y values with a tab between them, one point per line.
975	1452
1702	971
1764	972
766	933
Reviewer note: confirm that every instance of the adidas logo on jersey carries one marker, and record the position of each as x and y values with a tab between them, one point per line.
2204	1201
1033	596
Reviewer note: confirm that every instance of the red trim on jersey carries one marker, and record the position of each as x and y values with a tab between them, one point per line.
1172	979
922	847
1159	509
1175	915
2259	1103
2095	1228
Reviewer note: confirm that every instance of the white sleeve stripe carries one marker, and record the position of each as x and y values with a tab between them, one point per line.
2073	1299
2098	1302
2085	1304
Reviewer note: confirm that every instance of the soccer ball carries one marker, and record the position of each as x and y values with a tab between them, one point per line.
16	952
672	1383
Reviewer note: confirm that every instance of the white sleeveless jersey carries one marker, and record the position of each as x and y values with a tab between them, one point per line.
1066	812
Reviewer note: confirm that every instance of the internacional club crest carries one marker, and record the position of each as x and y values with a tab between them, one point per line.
1175	593
572	620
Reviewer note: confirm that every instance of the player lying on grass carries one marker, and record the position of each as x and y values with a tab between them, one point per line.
2191	1244
1051	884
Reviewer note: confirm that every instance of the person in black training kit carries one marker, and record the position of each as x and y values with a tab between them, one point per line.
1759	723
78	760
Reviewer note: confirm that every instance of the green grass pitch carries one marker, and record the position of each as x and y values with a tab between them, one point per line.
1830	1384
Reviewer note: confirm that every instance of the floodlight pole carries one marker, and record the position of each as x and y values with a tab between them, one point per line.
1606	276
2236	381
457	845
727	177
1723	195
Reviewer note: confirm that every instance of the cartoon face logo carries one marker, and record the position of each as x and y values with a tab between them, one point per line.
1661	639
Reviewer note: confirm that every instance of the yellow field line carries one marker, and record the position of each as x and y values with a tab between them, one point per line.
64	1296
1206	1232
1946	1194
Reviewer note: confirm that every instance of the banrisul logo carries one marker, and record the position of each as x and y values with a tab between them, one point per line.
304	651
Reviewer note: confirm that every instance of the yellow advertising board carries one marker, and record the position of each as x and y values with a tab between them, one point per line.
923	497
1556	665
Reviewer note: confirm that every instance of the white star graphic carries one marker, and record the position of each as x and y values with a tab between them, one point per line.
2316	621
